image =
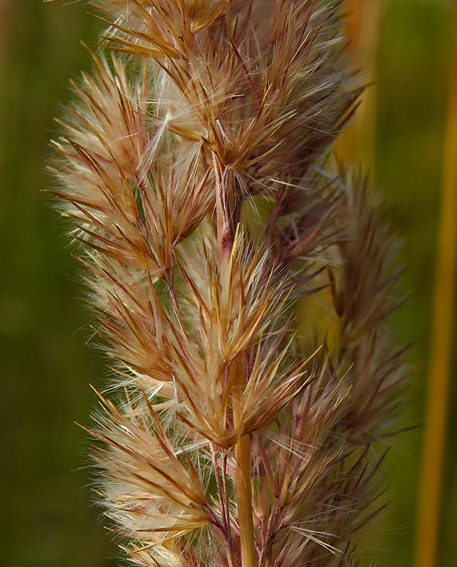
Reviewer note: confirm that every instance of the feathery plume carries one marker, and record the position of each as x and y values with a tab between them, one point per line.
227	436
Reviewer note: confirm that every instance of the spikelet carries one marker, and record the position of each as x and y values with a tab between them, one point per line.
227	437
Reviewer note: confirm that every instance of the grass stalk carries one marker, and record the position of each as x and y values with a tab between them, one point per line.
243	478
356	143
440	357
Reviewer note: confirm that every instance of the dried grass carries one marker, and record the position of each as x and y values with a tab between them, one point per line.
228	437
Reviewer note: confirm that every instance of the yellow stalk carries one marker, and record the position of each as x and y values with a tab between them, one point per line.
440	345
243	478
346	143
356	143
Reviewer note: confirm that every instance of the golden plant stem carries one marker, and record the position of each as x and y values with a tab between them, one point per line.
356	143
346	143
440	345
243	478
242	448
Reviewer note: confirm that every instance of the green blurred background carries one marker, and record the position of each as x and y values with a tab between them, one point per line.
46	515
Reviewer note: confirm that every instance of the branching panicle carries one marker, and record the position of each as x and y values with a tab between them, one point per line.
233	439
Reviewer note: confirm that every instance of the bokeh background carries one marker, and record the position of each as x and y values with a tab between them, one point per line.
46	515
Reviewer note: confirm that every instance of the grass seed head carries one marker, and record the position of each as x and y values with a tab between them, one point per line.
232	438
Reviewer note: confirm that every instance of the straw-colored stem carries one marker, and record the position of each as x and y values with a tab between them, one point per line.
242	450
346	143
243	478
440	346
356	143
223	498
